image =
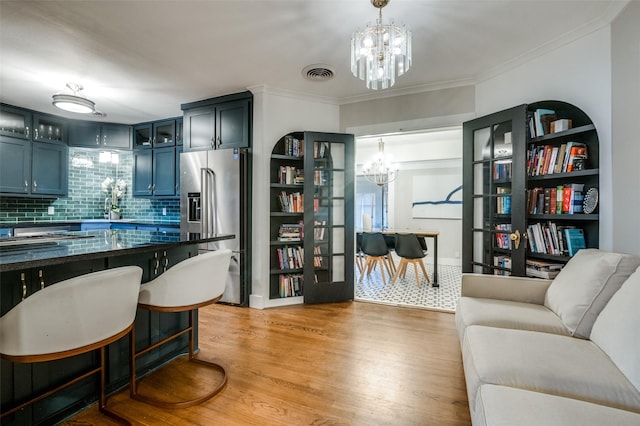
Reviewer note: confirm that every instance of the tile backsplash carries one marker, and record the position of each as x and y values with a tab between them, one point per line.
86	199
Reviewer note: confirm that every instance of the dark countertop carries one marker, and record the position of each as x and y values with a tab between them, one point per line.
87	245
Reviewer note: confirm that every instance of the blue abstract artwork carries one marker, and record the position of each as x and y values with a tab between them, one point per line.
437	196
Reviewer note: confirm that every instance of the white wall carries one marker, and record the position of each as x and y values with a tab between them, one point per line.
276	113
625	57
579	73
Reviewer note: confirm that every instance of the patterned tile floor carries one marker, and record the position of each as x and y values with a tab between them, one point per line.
405	292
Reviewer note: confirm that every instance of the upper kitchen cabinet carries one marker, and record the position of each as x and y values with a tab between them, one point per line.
49	128
91	134
157	134
33	169
219	123
15	122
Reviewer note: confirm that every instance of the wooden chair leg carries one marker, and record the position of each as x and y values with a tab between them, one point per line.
424	270
383	266
415	269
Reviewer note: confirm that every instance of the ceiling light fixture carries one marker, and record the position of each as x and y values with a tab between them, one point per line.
72	99
381	170
380	52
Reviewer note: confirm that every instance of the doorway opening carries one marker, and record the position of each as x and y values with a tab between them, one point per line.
425	160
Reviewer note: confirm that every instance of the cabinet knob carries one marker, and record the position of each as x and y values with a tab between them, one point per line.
35	132
26	186
149	188
213	143
97	139
219	142
41	275
35	185
26	131
104	140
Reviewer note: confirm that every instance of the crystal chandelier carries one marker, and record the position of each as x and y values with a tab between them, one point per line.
380	171
380	52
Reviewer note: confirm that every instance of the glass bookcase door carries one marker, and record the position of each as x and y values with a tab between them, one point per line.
329	215
493	214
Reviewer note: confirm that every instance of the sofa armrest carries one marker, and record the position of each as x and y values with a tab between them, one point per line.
515	289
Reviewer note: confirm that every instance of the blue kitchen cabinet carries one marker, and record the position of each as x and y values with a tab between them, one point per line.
91	134
49	169
218	123
50	128
143	136
15	122
15	166
37	169
142	173
156	172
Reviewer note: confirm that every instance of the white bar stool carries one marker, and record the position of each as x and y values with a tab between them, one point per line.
70	318
189	285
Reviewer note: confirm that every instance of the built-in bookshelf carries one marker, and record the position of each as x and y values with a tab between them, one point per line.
531	182
311	254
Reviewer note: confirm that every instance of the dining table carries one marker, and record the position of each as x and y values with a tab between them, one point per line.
421	234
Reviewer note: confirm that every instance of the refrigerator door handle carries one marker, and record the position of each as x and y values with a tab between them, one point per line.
208	197
213	202
204	197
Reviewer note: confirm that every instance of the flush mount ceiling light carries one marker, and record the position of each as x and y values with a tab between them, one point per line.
380	52
72	99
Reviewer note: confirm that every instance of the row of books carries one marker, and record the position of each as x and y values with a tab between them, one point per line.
291	232
548	159
319	177
503	264
503	200
320	150
554	239
291	285
291	202
290	257
561	199
293	147
545	121
318	229
502	170
542	269
290	175
502	237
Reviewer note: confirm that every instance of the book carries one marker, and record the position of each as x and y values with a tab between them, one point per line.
543	119
553	197
578	152
575	240
576	198
560	158
561	125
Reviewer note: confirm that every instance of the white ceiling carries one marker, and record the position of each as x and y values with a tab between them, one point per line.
139	60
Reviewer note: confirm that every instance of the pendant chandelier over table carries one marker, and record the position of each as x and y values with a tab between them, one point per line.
380	170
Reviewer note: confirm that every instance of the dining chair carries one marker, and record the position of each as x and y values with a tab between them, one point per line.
191	284
409	250
377	253
69	318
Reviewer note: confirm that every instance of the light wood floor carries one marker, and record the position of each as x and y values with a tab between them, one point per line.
335	364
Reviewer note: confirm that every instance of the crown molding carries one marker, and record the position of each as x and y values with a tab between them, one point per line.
266	89
391	93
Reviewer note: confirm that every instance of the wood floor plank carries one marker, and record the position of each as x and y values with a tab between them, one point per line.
352	363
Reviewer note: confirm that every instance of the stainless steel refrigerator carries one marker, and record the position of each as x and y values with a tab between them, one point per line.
215	192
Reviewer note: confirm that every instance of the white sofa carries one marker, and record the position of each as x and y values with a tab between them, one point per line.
559	352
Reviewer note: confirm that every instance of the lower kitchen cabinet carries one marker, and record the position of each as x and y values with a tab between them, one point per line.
22	381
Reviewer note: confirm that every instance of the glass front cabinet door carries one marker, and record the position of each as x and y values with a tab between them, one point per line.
494	154
328	218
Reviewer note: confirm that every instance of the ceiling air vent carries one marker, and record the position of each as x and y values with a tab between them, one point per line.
318	72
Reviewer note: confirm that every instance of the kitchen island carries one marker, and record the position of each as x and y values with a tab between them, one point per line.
27	264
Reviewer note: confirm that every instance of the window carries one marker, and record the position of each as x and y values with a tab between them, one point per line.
371	200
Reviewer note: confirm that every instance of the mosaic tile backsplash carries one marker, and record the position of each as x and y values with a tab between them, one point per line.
86	199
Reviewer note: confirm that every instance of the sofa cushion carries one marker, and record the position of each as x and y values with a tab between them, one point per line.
543	362
505	406
506	314
585	285
617	329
